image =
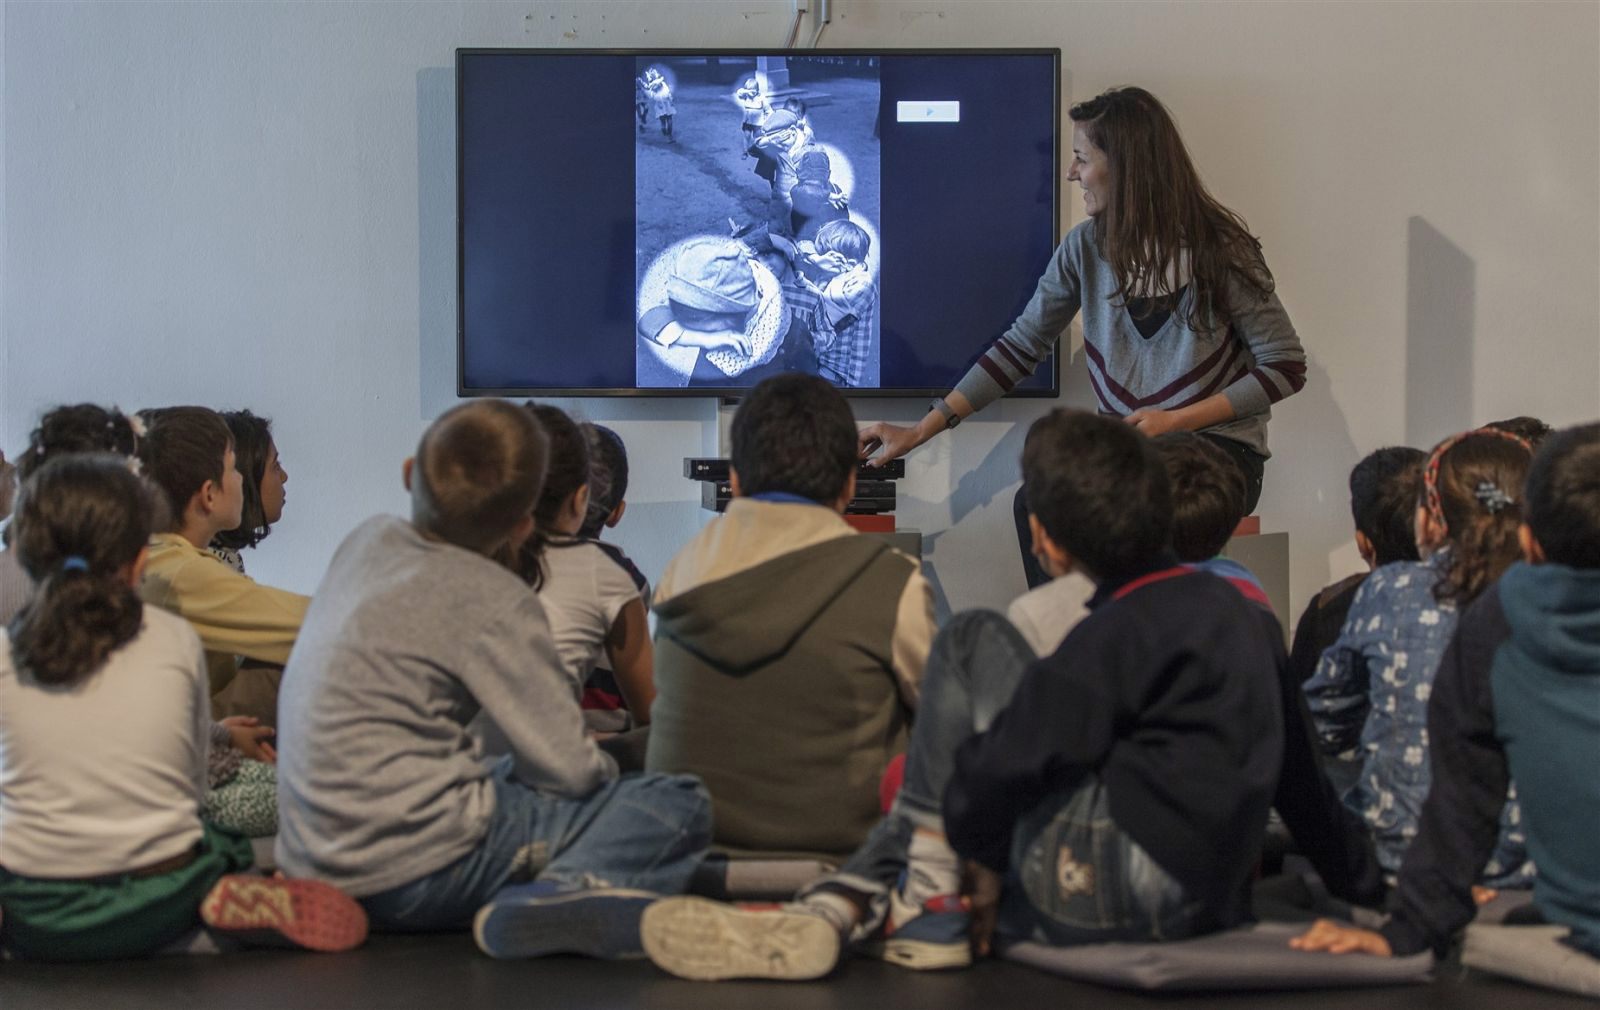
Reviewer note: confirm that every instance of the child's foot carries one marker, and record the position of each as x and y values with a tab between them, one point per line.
275	912
705	940
532	920
929	938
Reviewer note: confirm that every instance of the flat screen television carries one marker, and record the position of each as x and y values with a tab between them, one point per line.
678	222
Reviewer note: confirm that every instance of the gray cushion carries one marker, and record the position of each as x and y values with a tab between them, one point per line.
1251	957
1533	954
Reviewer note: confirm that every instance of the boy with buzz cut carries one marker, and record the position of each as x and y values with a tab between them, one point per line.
788	648
1517	696
415	629
1115	790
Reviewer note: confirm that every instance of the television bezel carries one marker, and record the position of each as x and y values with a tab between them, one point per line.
733	392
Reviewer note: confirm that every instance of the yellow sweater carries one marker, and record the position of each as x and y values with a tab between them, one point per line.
233	615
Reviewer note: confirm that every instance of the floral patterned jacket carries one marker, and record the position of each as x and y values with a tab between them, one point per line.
1369	700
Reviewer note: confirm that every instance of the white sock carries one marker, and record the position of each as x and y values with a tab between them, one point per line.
932	869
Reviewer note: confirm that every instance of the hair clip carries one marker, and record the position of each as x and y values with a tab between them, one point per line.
75	563
1492	497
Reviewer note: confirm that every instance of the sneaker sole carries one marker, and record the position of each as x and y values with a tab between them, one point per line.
703	940
265	911
921	955
598	923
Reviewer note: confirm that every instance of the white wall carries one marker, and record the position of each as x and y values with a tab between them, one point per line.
252	204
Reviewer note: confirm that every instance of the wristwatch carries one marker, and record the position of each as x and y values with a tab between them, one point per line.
951	418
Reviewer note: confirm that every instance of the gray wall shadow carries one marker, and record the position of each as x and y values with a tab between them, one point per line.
1441	288
436	241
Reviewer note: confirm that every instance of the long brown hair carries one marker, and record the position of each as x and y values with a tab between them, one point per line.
81	520
1472	484
1159	212
568	470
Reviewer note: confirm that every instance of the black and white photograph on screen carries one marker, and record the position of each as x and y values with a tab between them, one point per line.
757	201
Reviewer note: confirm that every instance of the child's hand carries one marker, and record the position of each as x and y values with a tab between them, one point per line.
832	261
1335	938
981	887
251	738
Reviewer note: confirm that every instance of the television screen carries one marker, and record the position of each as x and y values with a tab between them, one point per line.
690	223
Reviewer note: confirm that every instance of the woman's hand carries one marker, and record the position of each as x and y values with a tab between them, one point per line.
251	738
717	340
895	441
1335	938
1154	422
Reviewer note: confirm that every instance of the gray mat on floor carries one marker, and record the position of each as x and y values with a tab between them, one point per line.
1254	957
1532	954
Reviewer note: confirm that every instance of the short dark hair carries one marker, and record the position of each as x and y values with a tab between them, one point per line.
182	448
608	476
81	519
1099	490
1207	494
252	447
479	469
794	434
82	427
1530	429
1384	488
1563	496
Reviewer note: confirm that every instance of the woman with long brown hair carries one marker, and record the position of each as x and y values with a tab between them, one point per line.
1182	328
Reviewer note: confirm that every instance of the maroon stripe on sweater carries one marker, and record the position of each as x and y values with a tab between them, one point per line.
1275	392
996	373
1230	349
1130	402
1293	372
1005	352
1106	406
1218	381
1103	383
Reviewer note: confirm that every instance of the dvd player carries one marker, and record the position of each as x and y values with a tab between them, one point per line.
698	468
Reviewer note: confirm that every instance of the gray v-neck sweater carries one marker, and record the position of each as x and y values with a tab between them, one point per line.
1254	360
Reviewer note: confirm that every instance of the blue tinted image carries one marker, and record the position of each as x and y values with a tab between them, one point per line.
756	219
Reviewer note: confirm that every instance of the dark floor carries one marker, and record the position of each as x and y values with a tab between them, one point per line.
447	973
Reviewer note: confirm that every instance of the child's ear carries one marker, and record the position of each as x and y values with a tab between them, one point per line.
733	482
405	471
616	515
1532	551
1429	533
1369	553
519	534
1052	558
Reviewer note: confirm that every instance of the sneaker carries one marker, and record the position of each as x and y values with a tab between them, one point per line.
705	940
532	920
276	912
929	938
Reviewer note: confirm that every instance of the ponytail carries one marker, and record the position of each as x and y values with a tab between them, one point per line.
80	522
1473	488
567	471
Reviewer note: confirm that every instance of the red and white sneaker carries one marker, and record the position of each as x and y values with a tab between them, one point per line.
277	912
930	938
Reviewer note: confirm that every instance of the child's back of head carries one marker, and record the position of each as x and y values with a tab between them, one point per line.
608	479
253	452
566	474
794	434
1563	497
477	473
1530	429
182	448
83	427
1208	494
1383	501
81	523
1100	492
1472	490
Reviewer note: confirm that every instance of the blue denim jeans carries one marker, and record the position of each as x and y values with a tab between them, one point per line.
1075	877
645	832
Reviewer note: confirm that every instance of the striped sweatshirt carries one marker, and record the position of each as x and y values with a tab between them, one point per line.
1255	360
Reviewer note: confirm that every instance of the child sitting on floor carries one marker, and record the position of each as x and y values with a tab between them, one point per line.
1370	692
255	455
1517	696
1116	790
415	628
188	453
104	723
788	648
1383	500
593	604
1208	493
604	706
